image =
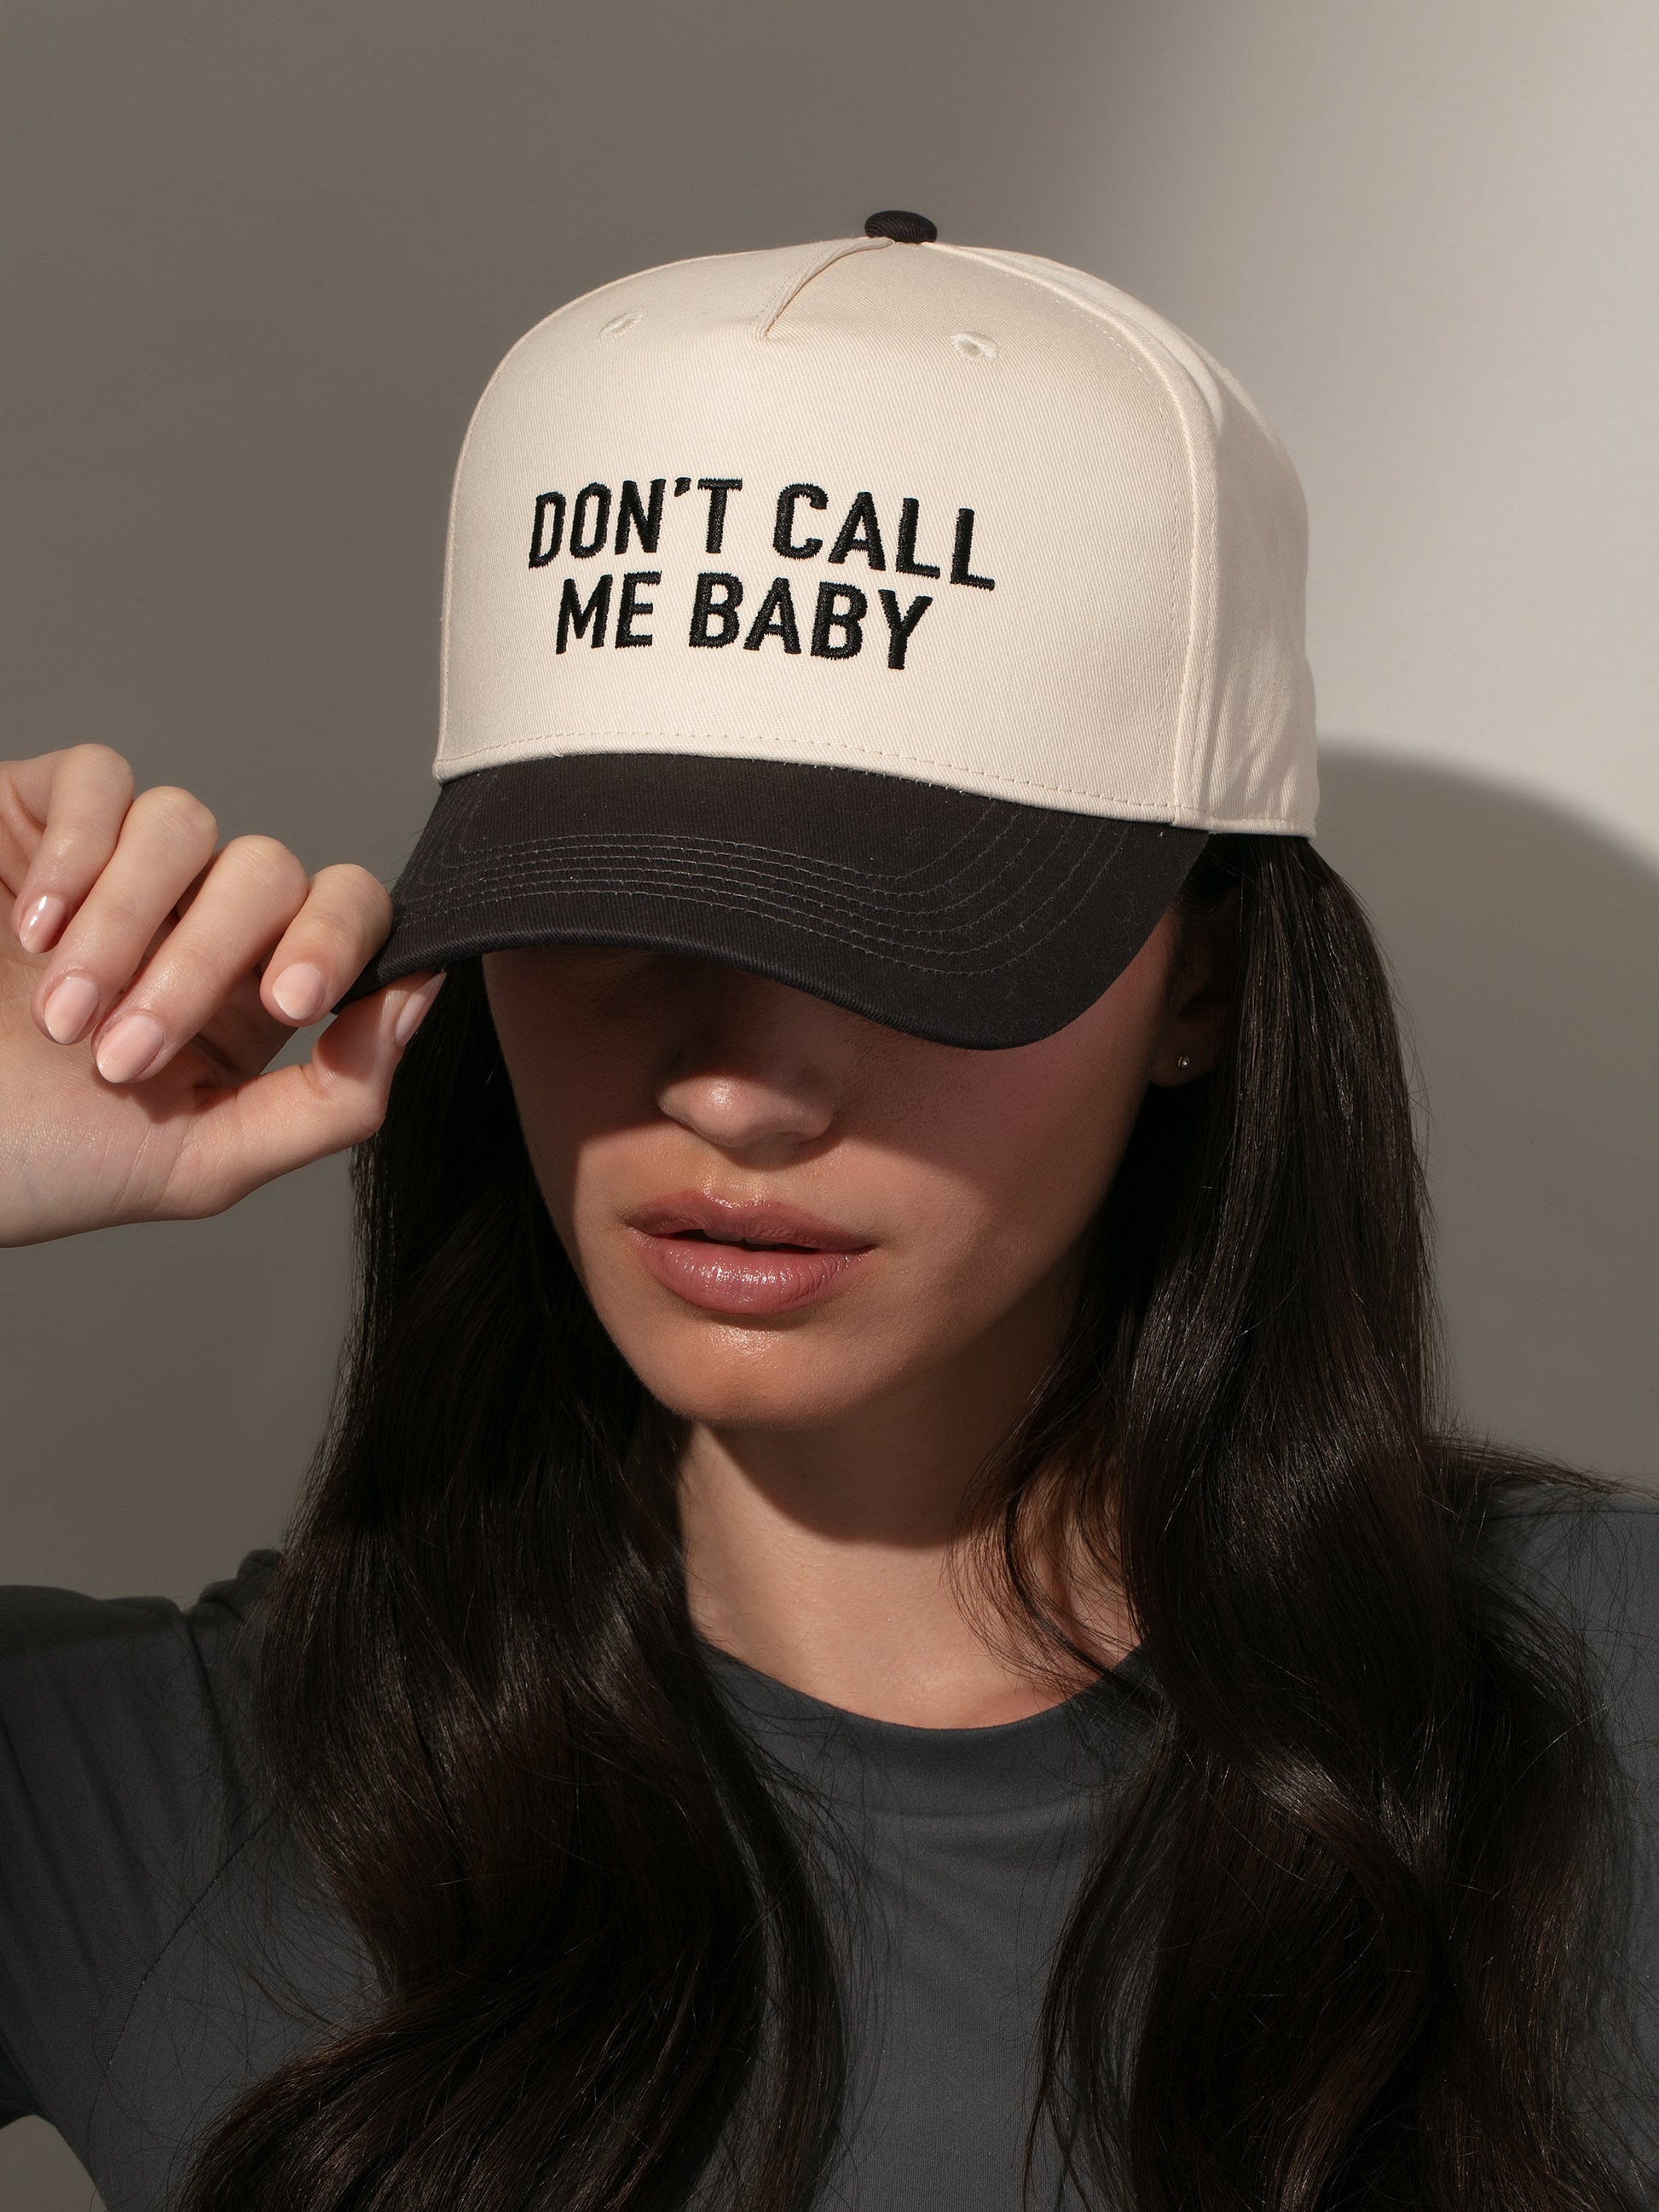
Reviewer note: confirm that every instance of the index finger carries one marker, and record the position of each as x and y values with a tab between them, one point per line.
60	817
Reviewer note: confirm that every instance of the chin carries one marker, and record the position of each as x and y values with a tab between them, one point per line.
745	1378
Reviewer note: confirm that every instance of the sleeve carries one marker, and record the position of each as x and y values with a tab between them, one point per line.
123	1785
17	2099
1593	1560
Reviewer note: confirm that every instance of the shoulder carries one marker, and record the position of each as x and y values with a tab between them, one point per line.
78	1671
126	1723
1593	1549
34	1617
1587	1558
126	1783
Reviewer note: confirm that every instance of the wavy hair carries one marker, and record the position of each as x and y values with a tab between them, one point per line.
1341	1947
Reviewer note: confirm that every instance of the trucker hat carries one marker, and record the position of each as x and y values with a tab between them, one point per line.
891	617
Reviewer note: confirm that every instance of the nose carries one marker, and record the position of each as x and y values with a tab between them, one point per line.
755	1069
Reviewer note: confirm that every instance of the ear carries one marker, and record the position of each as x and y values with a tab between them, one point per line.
1203	978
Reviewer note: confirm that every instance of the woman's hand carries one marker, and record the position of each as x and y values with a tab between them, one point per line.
147	980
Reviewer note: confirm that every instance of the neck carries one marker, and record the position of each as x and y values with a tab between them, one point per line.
822	1557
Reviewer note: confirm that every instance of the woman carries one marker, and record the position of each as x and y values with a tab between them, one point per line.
887	1616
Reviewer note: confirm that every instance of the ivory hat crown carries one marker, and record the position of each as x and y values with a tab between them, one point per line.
958	516
893	619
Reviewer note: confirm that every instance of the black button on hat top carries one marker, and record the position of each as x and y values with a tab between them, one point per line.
900	223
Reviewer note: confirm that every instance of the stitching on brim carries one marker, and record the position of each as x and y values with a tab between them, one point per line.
461	821
848	935
726	862
525	864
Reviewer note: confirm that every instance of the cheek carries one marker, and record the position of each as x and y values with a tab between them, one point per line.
593	1158
1012	1156
580	1091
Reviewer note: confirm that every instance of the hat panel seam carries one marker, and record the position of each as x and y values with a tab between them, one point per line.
791	289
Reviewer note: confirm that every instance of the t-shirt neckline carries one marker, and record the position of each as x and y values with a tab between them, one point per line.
1007	1765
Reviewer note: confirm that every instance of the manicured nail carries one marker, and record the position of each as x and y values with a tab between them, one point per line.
70	1008
39	927
129	1047
301	992
415	1011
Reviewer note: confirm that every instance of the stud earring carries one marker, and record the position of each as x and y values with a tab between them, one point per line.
1182	1063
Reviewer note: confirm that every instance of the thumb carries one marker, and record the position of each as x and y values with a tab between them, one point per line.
292	1115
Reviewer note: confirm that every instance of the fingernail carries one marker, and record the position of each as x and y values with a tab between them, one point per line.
415	1011
70	1008
41	924
129	1047
301	992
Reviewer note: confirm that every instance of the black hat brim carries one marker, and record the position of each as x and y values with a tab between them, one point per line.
971	920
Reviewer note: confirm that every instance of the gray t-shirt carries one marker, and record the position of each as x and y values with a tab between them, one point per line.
161	1948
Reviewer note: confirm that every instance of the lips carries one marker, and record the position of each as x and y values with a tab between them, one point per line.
759	1225
743	1257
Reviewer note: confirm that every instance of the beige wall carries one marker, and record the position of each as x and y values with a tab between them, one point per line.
1426	235
258	260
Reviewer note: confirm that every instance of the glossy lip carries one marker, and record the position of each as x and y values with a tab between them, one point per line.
743	1256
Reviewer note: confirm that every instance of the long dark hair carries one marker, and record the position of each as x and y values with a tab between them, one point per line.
1339	1949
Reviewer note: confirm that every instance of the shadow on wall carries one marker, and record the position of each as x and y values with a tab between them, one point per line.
1525	945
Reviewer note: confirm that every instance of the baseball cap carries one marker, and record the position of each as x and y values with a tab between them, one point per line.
891	617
